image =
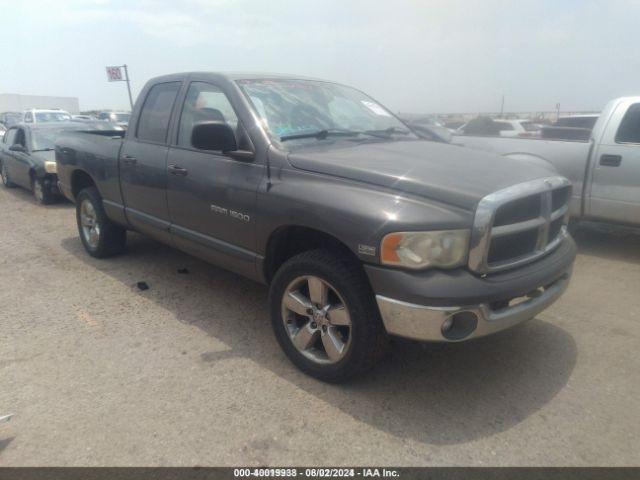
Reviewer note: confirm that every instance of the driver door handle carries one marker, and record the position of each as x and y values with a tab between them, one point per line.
611	160
178	171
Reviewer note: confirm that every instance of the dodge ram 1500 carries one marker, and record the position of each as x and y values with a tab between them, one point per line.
360	228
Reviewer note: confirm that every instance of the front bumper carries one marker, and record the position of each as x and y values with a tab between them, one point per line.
455	306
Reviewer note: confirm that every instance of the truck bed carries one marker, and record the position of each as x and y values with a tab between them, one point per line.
95	152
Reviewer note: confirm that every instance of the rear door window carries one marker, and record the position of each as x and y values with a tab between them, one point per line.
629	130
156	112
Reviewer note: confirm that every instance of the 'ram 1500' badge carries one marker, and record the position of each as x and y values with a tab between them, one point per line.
231	213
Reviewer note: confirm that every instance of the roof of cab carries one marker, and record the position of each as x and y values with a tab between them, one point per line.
232	76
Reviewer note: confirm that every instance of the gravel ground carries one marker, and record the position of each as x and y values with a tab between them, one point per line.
188	372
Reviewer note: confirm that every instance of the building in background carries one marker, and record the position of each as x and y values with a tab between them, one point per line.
13	102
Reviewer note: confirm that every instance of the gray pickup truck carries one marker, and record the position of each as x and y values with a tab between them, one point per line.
604	170
360	228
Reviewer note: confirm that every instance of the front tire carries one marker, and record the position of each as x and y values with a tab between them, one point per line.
41	191
100	237
4	173
324	316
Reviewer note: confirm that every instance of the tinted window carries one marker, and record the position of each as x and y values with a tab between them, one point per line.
629	131
577	122
156	112
28	117
204	103
20	138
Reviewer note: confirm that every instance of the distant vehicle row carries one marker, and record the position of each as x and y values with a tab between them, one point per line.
40	115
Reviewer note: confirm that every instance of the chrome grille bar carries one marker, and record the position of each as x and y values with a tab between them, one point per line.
483	230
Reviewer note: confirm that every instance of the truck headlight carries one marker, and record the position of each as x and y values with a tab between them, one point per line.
418	250
50	167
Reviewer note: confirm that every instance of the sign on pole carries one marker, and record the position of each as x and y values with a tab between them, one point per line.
114	74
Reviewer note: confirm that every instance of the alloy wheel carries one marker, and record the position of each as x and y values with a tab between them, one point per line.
316	319
89	223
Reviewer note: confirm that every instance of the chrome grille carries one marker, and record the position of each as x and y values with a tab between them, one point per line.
519	224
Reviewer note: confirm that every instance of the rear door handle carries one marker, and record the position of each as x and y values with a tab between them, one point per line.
611	160
176	170
129	160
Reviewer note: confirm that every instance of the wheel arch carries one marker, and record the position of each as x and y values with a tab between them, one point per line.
80	180
289	240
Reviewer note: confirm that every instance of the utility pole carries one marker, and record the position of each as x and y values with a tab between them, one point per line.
502	107
557	111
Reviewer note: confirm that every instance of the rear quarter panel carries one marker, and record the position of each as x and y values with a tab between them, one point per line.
93	154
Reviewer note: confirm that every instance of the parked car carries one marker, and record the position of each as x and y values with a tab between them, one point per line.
39	115
10	118
27	157
605	169
118	118
575	127
360	228
499	127
429	128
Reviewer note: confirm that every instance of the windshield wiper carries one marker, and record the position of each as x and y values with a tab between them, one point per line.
321	134
43	150
387	132
339	132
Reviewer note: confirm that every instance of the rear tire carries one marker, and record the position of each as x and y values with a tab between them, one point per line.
100	237
6	181
335	339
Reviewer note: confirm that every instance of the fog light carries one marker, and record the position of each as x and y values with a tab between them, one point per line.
459	325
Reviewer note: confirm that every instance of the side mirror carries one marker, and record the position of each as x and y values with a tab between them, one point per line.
16	147
216	136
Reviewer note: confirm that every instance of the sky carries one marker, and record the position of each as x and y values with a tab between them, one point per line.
429	56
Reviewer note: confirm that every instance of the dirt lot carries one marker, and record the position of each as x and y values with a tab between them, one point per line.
188	372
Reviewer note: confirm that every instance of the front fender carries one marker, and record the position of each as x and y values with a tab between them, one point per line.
357	214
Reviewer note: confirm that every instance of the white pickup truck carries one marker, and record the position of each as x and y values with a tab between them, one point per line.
605	171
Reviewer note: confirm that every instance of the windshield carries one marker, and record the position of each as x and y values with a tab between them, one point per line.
52	117
45	139
292	108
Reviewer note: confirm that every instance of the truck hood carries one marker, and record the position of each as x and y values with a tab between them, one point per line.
446	173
